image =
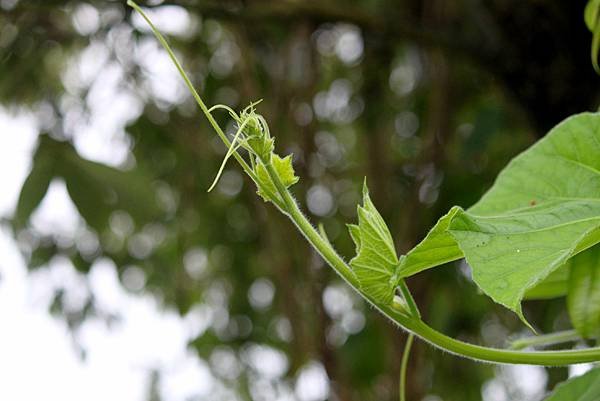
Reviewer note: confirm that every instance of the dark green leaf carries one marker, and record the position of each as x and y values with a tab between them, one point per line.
583	299
34	189
582	388
97	190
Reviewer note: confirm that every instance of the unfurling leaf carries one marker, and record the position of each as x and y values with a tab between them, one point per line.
284	170
376	258
543	209
582	388
583	299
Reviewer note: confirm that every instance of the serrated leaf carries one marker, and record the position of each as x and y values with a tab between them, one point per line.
376	258
581	388
583	299
34	188
285	170
543	209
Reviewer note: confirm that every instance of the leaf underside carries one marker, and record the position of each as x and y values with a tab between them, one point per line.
543	209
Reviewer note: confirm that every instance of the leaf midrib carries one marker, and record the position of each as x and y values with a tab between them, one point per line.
530	231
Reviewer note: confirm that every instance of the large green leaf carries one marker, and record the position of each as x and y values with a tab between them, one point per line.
543	209
583	299
376	258
582	388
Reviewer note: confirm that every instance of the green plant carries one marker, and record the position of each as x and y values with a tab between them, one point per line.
533	235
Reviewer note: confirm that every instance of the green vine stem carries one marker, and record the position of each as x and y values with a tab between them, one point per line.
404	366
414	324
409	320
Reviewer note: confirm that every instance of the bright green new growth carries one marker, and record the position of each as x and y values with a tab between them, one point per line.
252	134
499	216
375	259
284	170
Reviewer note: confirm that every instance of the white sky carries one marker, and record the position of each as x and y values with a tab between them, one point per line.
38	359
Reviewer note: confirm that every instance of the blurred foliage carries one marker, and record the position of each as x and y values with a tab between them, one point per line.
428	99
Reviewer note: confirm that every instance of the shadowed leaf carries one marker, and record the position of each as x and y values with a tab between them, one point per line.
582	388
583	300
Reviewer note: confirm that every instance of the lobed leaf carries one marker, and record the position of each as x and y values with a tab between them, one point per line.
582	388
583	299
543	209
376	259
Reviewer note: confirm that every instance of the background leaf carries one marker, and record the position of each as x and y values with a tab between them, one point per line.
583	300
554	286
582	388
97	190
34	189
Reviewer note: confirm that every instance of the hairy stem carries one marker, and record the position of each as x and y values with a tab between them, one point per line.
207	113
414	324
410	322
